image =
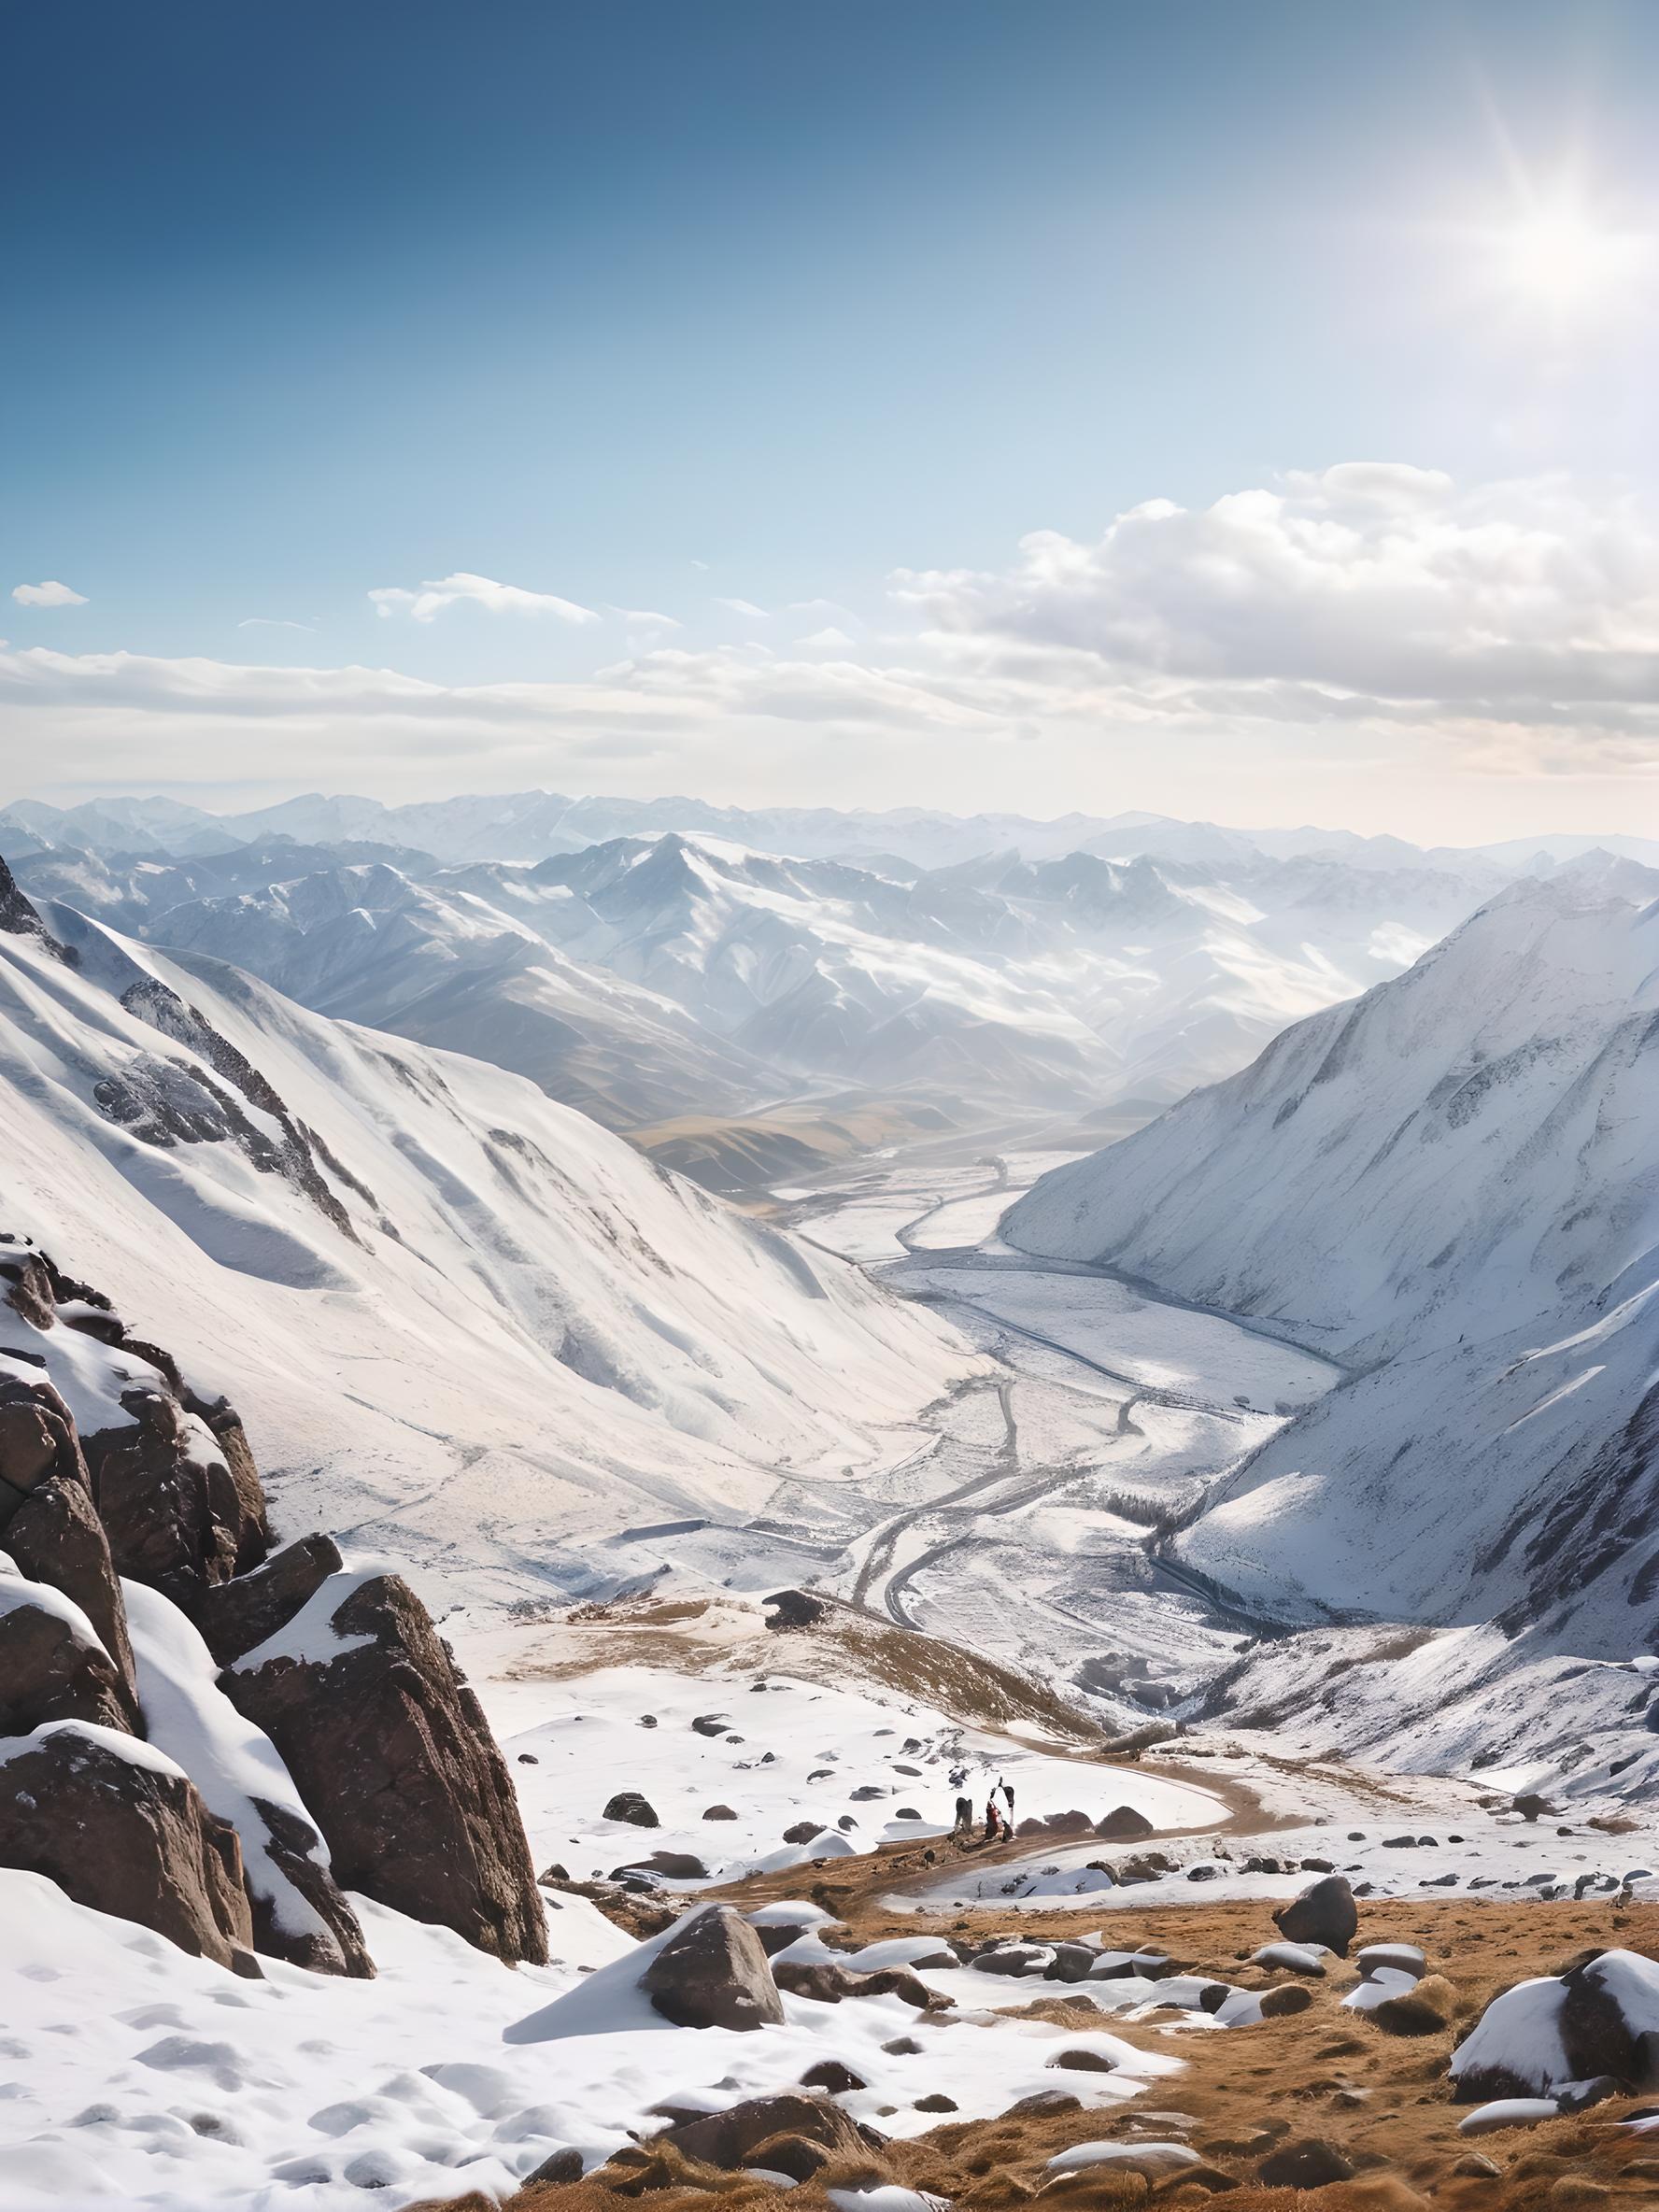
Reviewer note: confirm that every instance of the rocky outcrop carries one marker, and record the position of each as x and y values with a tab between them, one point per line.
49	1523
387	1751
739	2135
121	1829
178	1515
235	1617
395	1759
53	1667
713	1973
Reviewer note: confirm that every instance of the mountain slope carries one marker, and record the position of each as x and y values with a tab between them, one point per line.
526	1335
1452	1185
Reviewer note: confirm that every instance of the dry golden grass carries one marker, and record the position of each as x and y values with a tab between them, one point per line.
1383	2100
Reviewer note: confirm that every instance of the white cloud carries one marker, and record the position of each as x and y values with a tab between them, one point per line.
1332	640
642	618
744	606
431	599
46	595
1377	584
274	622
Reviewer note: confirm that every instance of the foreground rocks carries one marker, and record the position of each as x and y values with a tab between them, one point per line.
713	1973
393	1757
389	1749
120	1828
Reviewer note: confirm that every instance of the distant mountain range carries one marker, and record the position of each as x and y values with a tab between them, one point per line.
647	978
531	826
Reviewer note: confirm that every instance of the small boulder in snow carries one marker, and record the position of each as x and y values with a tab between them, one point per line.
712	1973
1124	1824
627	1804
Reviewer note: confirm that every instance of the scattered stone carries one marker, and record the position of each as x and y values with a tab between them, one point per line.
834	2076
718	1812
1325	1913
1291	1996
1296	1958
712	1973
560	2168
1082	2062
1397	1958
710	1724
867	1792
1509	2112
627	1804
794	1609
1124	1824
1474	2166
903	2046
670	1866
1310	2162
802	1832
936	2102
737	2136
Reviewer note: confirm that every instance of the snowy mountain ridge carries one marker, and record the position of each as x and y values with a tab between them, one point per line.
1452	1186
647	976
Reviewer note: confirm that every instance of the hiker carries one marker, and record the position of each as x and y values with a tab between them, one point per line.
1008	1793
993	1819
964	1817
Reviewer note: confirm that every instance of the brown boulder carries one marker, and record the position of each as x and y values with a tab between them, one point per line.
393	1756
1124	1824
49	1523
125	1832
1325	1912
712	1973
731	2138
50	1672
236	1617
178	1513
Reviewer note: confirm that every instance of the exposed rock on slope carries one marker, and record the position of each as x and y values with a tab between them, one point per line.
116	1826
217	1831
626	1350
391	1749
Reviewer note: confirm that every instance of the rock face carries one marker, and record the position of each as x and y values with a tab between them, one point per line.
395	1762
713	1973
49	1523
183	1507
120	1828
52	1665
387	1751
1324	1913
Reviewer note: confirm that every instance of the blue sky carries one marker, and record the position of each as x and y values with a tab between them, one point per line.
657	307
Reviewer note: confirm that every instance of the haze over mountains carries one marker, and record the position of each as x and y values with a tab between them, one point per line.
647	977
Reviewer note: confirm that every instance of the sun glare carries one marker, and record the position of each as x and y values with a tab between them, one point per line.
1564	260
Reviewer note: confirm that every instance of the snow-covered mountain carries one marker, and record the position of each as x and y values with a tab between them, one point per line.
652	977
437	962
524	1335
531	826
1452	1186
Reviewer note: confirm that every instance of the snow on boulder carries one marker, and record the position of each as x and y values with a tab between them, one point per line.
706	1971
1602	2018
298	1912
394	1762
49	1523
53	1665
119	1826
